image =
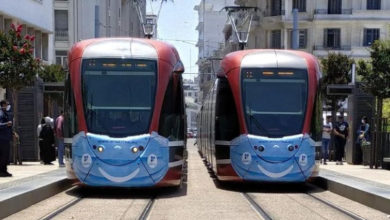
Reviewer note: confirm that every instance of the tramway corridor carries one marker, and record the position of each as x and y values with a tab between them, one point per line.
200	197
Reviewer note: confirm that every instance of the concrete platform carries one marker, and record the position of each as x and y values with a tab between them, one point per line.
370	187
31	182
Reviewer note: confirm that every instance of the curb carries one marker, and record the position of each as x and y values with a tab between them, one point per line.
17	198
365	193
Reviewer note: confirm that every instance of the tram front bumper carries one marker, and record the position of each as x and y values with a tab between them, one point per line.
250	166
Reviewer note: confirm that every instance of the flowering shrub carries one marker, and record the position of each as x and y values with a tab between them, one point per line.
18	66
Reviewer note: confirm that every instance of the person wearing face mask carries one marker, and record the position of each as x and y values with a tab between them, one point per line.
5	138
363	133
341	131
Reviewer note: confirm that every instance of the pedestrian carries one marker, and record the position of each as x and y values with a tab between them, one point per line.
341	131
46	143
326	130
39	129
5	138
59	124
363	134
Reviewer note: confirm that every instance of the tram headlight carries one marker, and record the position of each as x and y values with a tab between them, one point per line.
100	149
134	149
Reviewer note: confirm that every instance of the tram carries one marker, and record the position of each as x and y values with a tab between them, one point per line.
262	117
124	113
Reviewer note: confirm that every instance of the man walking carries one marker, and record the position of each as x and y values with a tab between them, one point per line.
5	138
60	138
341	132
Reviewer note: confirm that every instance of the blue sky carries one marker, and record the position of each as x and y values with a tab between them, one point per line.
176	25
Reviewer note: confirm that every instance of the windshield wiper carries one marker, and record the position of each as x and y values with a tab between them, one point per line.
257	123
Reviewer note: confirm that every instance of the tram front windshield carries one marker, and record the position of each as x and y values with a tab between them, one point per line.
118	95
274	101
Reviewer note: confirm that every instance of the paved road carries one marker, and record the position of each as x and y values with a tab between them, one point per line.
199	198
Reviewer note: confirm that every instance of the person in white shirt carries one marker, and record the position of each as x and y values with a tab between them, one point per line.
326	130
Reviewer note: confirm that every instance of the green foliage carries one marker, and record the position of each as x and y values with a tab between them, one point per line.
375	74
52	73
335	69
386	108
17	64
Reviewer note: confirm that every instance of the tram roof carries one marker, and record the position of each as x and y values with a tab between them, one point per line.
124	48
266	58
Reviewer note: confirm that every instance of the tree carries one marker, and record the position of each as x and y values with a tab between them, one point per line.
18	68
375	75
336	68
52	73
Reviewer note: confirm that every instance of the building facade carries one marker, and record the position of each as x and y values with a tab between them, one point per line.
343	26
212	20
192	95
77	20
25	12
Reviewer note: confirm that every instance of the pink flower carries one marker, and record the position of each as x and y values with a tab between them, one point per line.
25	45
15	48
32	38
22	51
19	28
30	51
13	26
27	37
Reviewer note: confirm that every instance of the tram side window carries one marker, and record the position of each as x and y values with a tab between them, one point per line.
316	120
171	123
70	125
226	124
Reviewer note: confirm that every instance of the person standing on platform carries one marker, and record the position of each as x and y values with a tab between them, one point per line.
39	129
60	138
326	130
5	138
341	131
363	134
46	143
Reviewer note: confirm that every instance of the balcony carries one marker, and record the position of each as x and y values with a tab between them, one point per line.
61	35
341	48
274	13
327	12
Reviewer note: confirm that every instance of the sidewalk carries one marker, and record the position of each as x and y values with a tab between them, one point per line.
30	183
359	183
26	172
380	175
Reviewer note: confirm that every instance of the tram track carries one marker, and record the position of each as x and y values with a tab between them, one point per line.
137	208
336	207
265	214
61	209
257	207
145	213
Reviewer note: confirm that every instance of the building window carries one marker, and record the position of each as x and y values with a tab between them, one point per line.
61	25
370	36
276	39
1	24
276	7
302	36
97	21
45	46
300	5
62	58
332	38
334	6
373	4
38	44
